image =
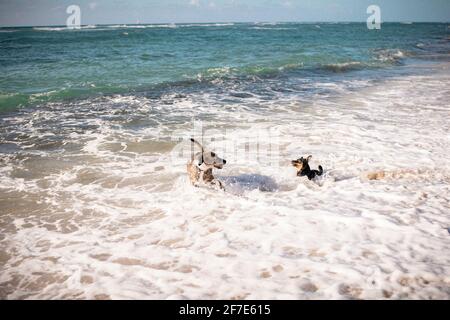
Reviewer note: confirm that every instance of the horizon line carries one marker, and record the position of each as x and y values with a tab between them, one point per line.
237	22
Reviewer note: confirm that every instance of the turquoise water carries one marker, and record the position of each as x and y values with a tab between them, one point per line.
96	203
57	64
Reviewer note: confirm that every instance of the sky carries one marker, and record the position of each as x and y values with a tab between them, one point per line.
53	12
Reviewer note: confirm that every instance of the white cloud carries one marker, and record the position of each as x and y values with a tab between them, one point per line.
93	5
198	3
194	3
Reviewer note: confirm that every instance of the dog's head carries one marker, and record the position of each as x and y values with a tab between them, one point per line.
301	163
209	160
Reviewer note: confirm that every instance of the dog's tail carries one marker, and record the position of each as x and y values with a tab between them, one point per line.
320	171
197	143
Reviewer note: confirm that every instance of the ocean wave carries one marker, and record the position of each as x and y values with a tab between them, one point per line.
207	25
169	25
343	66
210	76
266	23
8	30
124	26
12	101
394	56
227	72
271	28
250	72
142	26
50	28
64	28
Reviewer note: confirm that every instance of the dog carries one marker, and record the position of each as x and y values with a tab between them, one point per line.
200	167
394	174
303	168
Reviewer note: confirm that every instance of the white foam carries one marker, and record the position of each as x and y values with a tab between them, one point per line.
113	217
170	25
64	28
270	28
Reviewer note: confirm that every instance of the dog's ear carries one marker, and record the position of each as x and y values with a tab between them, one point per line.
197	143
309	158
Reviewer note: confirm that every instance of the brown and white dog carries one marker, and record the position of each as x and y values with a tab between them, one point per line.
200	167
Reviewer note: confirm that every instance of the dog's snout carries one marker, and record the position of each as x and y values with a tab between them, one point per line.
224	161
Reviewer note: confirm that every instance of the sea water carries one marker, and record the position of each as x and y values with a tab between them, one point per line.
95	202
